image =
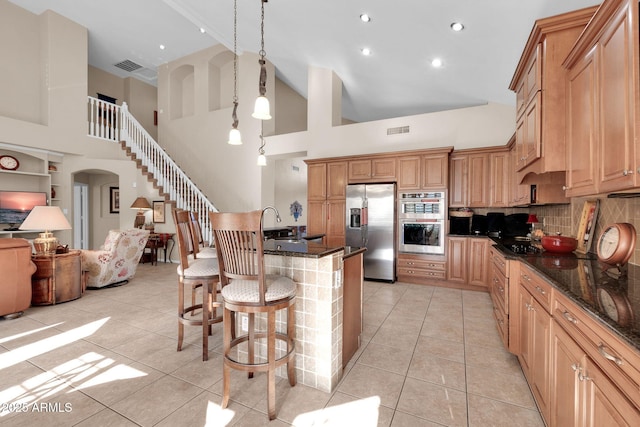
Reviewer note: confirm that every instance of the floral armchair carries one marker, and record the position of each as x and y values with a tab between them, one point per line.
116	261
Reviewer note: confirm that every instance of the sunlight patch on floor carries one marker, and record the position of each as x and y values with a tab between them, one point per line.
362	413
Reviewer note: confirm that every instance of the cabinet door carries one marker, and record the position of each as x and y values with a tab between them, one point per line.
383	168
525	355
435	171
336	217
316	217
540	336
337	180
457	259
478	261
532	146
605	405
567	359
581	128
618	78
499	172
359	170
317	181
409	173
478	176
520	193
458	181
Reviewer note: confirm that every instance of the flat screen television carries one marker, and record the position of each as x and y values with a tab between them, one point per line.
16	205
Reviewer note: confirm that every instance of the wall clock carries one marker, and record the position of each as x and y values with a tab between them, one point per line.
9	163
617	243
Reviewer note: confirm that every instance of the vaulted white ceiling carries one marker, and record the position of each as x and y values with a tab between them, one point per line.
404	36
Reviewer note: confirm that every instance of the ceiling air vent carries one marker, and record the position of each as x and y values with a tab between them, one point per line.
397	130
128	65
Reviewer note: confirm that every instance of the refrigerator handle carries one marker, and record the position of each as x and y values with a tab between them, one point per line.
365	223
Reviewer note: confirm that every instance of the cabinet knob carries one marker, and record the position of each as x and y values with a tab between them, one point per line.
565	187
602	349
627	172
569	317
539	289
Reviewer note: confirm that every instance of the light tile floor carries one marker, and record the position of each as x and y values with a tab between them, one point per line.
430	356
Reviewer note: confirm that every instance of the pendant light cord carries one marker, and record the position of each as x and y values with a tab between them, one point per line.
234	114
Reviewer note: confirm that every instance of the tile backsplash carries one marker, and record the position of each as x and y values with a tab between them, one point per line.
566	218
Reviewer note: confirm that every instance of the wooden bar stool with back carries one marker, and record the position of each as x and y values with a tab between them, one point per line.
247	289
195	272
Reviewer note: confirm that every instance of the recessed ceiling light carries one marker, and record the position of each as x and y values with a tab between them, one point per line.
436	63
457	26
366	51
161	47
202	30
365	18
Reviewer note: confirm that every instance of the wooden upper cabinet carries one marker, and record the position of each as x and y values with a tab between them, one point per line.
427	172
603	98
478	176
336	180
499	182
458	181
409	173
317	181
539	81
581	128
435	171
379	169
618	95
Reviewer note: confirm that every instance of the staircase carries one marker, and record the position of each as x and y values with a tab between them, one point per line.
114	123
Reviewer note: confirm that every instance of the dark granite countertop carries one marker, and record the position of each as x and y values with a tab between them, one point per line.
590	284
305	249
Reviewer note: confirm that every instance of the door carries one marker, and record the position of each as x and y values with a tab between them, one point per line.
379	258
80	216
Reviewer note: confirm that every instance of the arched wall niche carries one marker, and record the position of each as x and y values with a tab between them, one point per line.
182	91
220	81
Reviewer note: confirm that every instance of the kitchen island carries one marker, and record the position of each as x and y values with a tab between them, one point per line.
328	306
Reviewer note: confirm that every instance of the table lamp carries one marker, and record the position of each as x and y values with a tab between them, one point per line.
45	218
142	204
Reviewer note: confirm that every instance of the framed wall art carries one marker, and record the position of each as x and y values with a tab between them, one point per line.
158	211
114	199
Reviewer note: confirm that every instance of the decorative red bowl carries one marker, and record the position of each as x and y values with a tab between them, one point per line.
560	244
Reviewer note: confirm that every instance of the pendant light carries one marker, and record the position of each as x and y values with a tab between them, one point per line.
234	135
261	110
262	159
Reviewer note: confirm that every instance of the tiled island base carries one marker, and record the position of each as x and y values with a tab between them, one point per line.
318	318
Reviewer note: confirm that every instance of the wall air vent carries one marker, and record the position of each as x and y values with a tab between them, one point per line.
397	130
128	65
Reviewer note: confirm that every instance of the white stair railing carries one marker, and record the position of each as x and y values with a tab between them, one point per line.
119	125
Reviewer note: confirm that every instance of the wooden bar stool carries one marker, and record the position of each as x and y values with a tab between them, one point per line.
195	272
246	289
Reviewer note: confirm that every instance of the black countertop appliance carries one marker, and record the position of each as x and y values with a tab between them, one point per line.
495	223
516	225
479	224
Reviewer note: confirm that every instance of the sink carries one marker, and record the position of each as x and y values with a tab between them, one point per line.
289	240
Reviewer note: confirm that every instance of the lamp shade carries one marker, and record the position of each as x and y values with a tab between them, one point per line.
45	218
533	219
141	203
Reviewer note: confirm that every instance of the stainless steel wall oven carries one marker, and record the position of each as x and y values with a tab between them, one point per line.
421	222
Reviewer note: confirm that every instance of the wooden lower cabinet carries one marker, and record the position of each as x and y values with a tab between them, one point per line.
421	269
579	372
499	290
353	283
582	394
468	260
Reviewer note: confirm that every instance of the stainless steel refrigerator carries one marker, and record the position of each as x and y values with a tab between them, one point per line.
370	223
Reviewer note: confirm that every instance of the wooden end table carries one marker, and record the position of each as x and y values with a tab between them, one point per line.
58	278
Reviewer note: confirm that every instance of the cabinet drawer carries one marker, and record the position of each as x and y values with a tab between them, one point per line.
617	359
499	261
540	289
421	264
416	272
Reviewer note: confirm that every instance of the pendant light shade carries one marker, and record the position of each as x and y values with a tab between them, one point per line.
262	160
234	137
261	110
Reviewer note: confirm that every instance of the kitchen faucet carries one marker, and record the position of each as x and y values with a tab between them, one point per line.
278	219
